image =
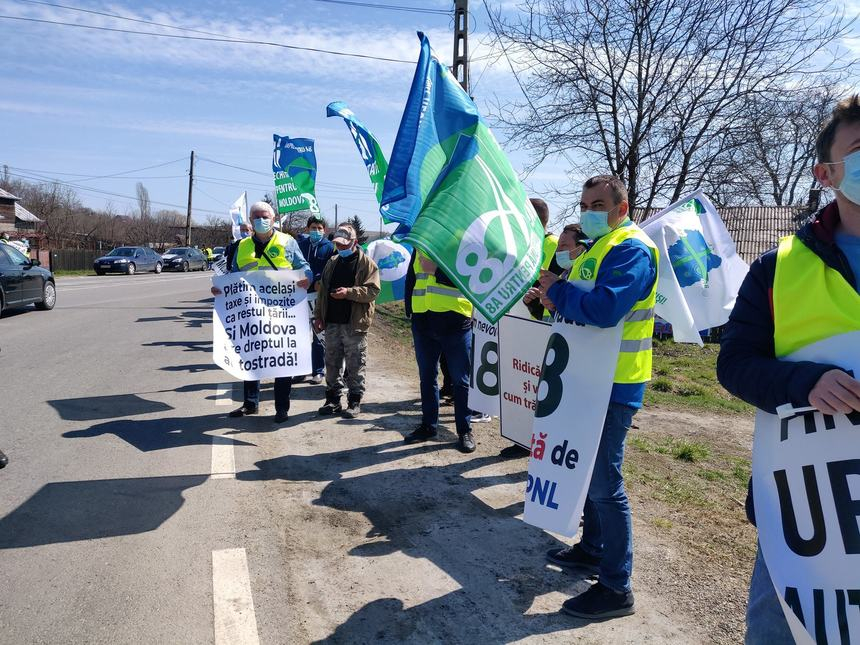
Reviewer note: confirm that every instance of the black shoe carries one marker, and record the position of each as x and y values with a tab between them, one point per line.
514	452
574	558
281	417
466	442
246	409
3	459
331	407
353	409
421	433
600	602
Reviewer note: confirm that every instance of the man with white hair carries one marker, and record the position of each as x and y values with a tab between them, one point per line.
266	250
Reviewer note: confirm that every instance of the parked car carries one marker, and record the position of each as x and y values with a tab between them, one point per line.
24	281
219	253
129	259
184	258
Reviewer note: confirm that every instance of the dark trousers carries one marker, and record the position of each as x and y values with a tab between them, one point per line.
430	346
283	387
317	355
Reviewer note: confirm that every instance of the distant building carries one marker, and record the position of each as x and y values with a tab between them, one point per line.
14	218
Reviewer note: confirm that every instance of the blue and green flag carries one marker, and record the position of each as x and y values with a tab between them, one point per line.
295	167
368	146
455	195
392	258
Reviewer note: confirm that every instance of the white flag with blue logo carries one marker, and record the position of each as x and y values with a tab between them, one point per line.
700	269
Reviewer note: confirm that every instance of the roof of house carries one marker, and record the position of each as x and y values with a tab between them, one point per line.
755	229
4	194
24	215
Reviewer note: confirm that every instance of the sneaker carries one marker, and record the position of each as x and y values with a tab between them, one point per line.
574	557
282	417
421	433
466	443
479	417
331	407
317	379
600	602
352	410
246	409
4	460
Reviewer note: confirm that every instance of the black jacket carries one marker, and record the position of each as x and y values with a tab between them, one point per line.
747	365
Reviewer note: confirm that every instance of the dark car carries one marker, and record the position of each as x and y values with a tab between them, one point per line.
24	282
129	259
184	258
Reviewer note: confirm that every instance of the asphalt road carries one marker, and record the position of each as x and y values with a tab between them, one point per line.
113	418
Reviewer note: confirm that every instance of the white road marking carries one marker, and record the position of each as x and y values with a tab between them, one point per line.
224	394
223	458
125	283
235	621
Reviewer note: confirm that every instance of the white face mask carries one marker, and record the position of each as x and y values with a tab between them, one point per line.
562	259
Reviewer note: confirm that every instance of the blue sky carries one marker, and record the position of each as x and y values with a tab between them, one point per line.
93	103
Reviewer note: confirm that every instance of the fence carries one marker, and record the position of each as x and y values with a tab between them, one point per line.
73	259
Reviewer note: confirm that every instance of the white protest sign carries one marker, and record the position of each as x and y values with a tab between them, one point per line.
260	325
576	381
806	485
521	348
484	379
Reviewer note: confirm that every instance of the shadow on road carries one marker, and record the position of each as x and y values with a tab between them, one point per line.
432	513
188	345
91	408
85	510
193	369
163	433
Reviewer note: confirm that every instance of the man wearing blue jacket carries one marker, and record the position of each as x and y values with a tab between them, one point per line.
802	292
317	251
615	280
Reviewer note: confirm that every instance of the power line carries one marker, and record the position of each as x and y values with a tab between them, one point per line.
269	175
208	39
391	7
111	176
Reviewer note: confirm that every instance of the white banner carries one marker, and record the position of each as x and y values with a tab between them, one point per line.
484	379
260	324
521	347
806	485
700	270
239	215
576	382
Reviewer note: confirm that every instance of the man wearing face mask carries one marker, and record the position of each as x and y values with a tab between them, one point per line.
348	288
317	251
614	281
571	244
266	250
802	292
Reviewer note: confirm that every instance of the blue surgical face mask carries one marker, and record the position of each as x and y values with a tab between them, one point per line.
316	236
562	259
595	223
850	184
345	253
262	225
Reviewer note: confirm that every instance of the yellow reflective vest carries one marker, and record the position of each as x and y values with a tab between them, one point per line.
811	301
429	295
634	358
246	259
550	244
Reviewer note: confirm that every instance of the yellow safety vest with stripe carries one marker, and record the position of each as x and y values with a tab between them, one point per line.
811	301
550	244
429	295
634	358
246	259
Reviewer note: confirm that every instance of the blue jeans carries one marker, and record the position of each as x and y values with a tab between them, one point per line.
430	346
283	387
317	356
607	528
766	624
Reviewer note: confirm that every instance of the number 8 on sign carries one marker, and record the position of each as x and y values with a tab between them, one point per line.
551	386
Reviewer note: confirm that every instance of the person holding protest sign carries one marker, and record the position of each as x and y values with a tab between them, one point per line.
348	287
317	251
798	295
571	244
614	281
441	325
266	250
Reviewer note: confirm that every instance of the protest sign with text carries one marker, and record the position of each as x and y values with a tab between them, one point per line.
806	483
522	342
261	325
573	395
484	377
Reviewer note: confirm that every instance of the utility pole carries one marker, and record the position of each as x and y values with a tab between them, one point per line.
460	68
188	214
335	216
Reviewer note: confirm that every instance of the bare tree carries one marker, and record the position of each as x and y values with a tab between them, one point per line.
653	90
144	206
